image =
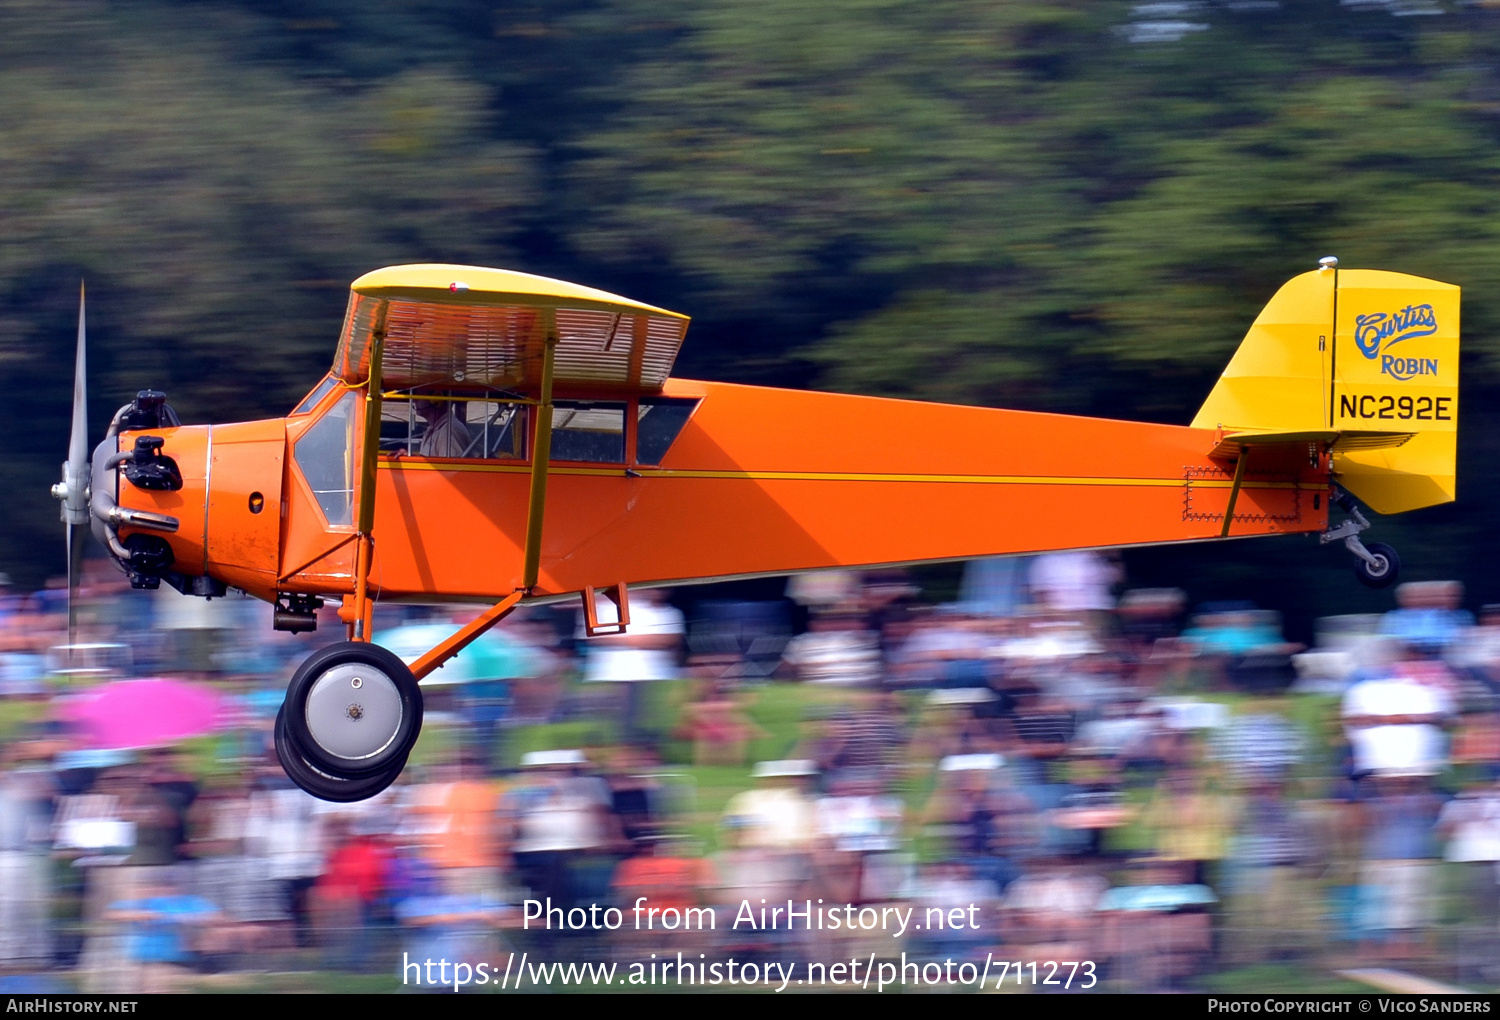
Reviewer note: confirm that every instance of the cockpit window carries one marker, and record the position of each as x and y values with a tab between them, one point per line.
325	455
458	425
588	431
660	420
452	425
311	400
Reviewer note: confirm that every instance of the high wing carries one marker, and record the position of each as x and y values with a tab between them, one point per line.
472	327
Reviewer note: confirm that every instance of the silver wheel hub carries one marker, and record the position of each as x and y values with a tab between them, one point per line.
354	711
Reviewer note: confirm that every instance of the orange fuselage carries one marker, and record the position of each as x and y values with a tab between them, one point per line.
758	482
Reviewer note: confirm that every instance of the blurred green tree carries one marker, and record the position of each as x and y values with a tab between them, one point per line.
218	209
1069	205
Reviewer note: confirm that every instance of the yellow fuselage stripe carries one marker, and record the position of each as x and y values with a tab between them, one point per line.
845	476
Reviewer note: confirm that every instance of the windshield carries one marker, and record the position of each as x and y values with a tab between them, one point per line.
311	400
325	456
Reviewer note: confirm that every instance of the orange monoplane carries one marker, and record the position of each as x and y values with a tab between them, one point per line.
495	437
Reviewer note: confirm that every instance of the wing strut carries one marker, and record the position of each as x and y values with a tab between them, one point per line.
541	454
1234	489
359	629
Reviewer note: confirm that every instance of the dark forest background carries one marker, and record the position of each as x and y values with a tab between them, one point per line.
1063	205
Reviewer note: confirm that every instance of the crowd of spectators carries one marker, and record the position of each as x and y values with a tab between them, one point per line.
1101	773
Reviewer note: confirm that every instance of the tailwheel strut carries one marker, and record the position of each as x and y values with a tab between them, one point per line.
1376	564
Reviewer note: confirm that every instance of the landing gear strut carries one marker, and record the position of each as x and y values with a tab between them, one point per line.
1376	565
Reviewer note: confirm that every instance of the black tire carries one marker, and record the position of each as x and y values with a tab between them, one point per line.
321	785
1383	575
403	691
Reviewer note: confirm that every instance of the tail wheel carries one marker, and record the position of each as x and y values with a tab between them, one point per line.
353	709
320	784
1383	572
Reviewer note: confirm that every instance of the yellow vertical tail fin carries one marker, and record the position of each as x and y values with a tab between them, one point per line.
1369	355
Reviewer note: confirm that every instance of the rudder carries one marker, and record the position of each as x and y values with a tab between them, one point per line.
1366	354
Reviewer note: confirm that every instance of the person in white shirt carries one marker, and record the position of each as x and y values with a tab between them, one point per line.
1393	720
1471	821
1074	582
648	650
446	435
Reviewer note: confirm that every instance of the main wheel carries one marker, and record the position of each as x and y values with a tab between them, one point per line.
321	785
1382	573
352	709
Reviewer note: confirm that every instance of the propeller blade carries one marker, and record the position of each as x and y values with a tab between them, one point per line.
72	597
73	489
78	449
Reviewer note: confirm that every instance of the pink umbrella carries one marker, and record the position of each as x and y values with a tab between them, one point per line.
145	713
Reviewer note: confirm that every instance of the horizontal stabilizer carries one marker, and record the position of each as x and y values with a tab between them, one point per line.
1372	440
1230	446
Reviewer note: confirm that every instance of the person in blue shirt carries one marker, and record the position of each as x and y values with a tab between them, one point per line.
162	928
1429	619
